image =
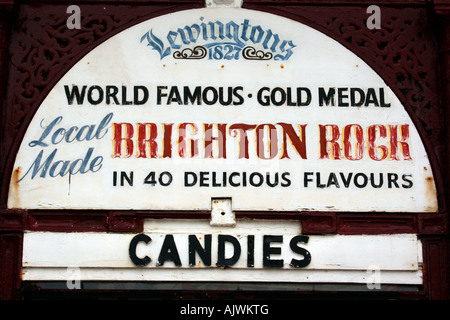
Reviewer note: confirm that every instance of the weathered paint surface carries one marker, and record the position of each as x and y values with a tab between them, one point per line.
210	103
334	258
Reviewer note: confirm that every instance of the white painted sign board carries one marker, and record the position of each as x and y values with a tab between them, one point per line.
233	103
271	257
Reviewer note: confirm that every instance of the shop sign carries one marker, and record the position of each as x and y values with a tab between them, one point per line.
233	103
253	250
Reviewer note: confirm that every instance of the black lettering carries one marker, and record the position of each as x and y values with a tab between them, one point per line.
282	96
326	98
207	99
224	179
165	178
111	93
193	98
289	101
125	102
150	179
353	101
346	180
204	179
229	96
75	94
392	180
187	183
214	180
307	179
250	251
124	177
406	179
145	95
371	98
160	94
174	96
231	181
269	183
341	97
169	252
263	100
260	178
332	180
132	250
299	96
91	97
357	183
318	184
196	247
238	96
305	253
269	250
221	260
372	180
286	181
382	101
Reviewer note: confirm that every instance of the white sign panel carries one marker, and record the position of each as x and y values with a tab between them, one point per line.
192	250
230	103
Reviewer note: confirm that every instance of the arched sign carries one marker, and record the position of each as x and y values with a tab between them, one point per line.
230	103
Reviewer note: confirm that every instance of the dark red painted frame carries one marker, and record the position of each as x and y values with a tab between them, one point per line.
435	86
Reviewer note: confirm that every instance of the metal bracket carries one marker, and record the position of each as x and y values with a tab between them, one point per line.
222	213
223	3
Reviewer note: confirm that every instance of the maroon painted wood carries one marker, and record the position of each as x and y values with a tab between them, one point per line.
10	264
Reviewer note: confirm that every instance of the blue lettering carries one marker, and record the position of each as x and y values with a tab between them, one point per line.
189	36
276	40
69	132
172	36
87	132
60	132
216	32
245	26
46	132
233	33
88	136
62	172
205	31
260	31
283	49
102	127
36	166
61	167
